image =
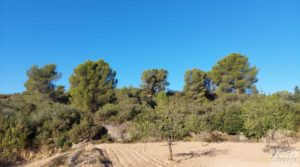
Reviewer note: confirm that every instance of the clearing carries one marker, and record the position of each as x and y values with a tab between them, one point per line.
191	154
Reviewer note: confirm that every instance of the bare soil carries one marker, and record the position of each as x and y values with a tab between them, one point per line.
191	154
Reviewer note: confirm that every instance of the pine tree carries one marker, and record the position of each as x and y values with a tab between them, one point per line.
233	74
92	85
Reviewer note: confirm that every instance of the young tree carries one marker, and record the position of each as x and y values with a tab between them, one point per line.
40	80
171	119
233	74
92	85
196	85
154	81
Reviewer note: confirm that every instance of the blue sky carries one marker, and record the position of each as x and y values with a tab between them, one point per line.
134	35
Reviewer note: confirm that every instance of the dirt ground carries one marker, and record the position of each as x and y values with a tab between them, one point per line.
195	154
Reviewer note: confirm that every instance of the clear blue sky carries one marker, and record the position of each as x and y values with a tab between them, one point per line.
136	35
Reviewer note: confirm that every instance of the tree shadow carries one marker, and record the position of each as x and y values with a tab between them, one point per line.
195	154
107	163
166	145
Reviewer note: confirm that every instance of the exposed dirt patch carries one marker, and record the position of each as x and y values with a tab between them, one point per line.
186	154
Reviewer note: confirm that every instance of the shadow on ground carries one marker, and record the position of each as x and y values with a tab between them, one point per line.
195	154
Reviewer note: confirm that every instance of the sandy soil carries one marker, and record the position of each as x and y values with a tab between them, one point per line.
196	154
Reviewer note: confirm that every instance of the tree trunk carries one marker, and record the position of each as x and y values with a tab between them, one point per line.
273	134
268	143
170	149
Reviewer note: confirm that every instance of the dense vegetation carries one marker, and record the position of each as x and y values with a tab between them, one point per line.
224	99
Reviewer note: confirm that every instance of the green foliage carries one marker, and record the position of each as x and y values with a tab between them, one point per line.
128	105
129	110
233	74
106	113
154	81
297	94
145	126
227	119
265	113
44	116
196	85
14	131
166	121
24	125
18	102
49	122
86	131
63	142
284	95
60	95
92	85
171	118
161	99
193	123
40	80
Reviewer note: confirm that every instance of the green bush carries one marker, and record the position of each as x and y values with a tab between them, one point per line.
233	121
86	131
51	121
224	118
106	113
144	126
63	142
123	111
269	113
14	131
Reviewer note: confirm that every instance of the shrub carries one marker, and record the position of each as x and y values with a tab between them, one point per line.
226	119
14	132
123	111
233	121
144	126
86	130
214	136
63	142
106	113
264	113
51	122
